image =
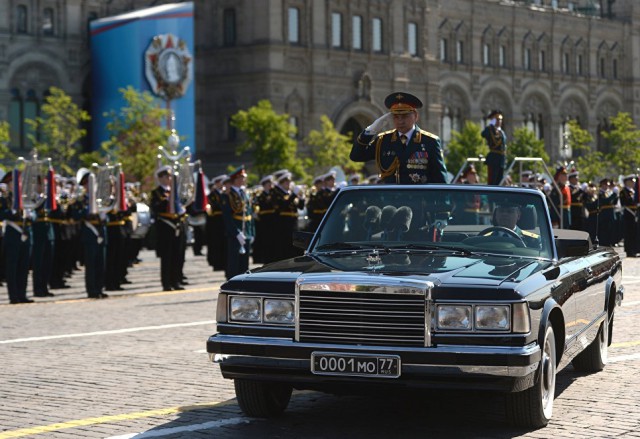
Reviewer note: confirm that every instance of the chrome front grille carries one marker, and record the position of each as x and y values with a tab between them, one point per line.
357	318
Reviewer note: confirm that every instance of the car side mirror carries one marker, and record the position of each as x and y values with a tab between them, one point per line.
572	243
302	239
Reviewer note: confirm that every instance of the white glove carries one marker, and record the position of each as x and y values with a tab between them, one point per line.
377	124
584	186
546	188
616	189
295	189
241	239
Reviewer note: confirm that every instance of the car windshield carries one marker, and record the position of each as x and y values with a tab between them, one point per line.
466	219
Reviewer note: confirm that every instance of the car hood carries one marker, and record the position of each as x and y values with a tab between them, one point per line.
441	269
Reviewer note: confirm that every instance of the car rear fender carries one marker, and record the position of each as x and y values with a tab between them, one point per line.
552	313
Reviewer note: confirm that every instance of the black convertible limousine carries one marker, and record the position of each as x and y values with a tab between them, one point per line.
433	286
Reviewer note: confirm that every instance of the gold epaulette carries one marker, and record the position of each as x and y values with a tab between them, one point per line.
530	234
428	134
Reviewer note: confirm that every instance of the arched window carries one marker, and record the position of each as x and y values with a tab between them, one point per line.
22	19
48	22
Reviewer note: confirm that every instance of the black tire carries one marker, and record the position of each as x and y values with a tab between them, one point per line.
261	399
532	408
594	357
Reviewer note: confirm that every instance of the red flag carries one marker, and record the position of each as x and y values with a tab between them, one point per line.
200	202
52	201
122	206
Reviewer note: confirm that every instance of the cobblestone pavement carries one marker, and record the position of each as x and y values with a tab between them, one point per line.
134	365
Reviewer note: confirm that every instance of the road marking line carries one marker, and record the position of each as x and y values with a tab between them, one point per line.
624	303
174	430
113	331
625	344
624	358
627	282
106	419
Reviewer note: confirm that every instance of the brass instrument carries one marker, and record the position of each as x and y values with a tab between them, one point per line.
106	188
34	181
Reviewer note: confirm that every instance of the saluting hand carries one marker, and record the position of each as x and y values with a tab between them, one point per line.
377	124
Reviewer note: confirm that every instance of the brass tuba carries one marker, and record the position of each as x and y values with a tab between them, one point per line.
34	181
106	188
183	172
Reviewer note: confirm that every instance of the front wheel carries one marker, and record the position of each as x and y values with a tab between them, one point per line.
261	399
532	408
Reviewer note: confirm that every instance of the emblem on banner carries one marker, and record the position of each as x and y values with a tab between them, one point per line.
168	66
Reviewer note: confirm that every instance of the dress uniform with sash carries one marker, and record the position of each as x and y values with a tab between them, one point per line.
578	195
214	227
410	157
497	143
168	228
266	222
93	237
17	243
630	218
239	226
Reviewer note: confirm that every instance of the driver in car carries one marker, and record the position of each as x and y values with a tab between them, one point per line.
507	215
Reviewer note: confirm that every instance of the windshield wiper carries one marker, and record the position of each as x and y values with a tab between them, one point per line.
434	246
349	246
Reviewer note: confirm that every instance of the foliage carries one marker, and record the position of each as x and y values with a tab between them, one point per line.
135	132
589	162
60	130
466	144
330	148
270	139
5	153
624	139
526	144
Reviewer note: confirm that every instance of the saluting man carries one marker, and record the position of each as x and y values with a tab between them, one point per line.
238	222
406	154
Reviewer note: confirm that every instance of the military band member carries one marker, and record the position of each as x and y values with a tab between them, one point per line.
497	143
316	207
116	252
630	218
238	221
406	154
17	245
607	200
216	240
93	235
266	222
168	229
591	207
578	194
288	199
42	249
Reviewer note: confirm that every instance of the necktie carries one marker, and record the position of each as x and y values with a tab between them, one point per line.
403	139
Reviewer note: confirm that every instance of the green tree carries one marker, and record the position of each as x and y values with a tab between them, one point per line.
330	148
60	128
526	144
465	144
624	139
589	162
135	132
269	138
5	154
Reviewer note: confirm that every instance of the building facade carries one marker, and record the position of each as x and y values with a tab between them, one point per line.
541	62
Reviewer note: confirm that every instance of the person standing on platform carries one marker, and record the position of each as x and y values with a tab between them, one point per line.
216	240
630	216
406	154
497	142
168	220
239	226
16	241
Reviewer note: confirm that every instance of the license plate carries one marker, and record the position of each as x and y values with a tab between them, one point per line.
380	366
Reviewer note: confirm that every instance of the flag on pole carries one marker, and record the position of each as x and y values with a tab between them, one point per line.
122	205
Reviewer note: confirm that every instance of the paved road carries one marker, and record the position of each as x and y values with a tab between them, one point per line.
134	365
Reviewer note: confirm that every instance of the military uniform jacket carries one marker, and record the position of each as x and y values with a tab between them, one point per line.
577	202
238	213
627	201
215	203
419	161
266	204
287	203
497	142
530	239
